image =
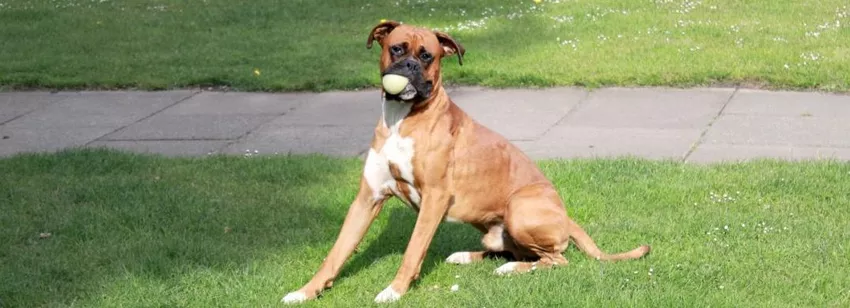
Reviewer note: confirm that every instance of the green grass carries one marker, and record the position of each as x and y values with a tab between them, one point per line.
146	231
320	45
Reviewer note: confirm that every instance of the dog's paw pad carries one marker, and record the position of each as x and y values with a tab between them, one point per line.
296	297
388	295
462	257
505	269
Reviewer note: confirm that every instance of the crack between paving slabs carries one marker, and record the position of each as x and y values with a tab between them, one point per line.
573	110
364	151
248	133
708	126
37	109
143	118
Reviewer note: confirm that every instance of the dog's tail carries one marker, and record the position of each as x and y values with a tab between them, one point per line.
588	246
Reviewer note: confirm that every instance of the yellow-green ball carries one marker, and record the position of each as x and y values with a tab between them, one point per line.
394	84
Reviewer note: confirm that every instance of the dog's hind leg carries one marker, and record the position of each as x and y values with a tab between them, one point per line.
466	257
536	223
496	242
518	267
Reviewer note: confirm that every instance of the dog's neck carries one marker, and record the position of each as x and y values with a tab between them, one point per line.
393	112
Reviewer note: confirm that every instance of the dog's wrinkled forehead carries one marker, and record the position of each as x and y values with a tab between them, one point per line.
405	41
413	39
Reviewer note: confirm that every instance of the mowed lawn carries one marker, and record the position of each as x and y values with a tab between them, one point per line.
270	45
107	229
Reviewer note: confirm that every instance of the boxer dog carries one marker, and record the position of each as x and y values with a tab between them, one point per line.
447	167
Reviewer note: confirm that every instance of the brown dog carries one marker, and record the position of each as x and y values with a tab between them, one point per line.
433	156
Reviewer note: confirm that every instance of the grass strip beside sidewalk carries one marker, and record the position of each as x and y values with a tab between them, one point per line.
103	228
320	45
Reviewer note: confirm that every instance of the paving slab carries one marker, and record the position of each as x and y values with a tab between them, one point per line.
82	117
15	104
338	108
198	126
656	123
518	114
592	142
281	137
333	123
46	139
165	147
789	104
650	108
229	103
102	109
710	153
802	131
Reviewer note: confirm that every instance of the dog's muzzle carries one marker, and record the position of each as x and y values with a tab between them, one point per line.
411	70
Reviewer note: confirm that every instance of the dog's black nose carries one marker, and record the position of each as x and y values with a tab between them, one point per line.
413	66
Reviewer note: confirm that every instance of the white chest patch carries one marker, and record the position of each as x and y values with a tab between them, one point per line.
397	150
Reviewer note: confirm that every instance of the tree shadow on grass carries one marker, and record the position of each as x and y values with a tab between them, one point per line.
73	220
120	222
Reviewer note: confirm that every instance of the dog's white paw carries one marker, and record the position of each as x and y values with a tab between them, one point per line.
296	297
388	295
462	257
505	269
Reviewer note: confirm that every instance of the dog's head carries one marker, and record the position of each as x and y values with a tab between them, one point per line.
413	53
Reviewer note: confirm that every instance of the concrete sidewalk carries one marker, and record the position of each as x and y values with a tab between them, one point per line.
694	125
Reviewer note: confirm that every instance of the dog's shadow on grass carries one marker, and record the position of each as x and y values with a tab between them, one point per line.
394	238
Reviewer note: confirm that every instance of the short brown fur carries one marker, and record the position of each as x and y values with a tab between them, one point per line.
464	171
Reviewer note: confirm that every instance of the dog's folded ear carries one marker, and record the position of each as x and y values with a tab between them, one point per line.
380	31
450	46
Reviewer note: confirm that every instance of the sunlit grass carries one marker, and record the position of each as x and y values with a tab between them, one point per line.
320	45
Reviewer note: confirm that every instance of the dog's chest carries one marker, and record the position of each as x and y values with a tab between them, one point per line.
390	168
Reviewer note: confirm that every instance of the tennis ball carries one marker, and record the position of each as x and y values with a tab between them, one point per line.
394	84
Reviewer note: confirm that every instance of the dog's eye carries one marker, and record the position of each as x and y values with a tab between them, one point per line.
397	50
425	56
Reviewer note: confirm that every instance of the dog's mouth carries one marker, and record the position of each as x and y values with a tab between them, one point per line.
404	81
411	93
408	93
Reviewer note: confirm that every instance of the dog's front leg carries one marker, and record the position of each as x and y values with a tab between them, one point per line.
361	213
435	202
